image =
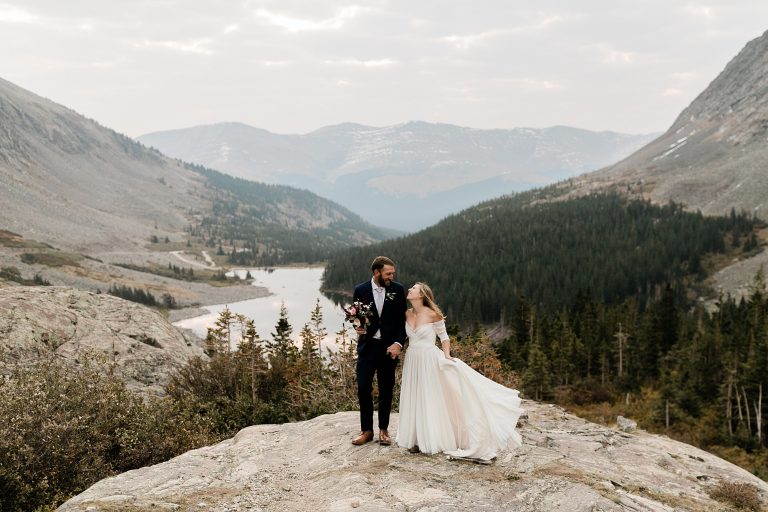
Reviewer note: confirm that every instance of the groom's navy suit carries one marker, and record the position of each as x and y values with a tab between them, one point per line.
372	357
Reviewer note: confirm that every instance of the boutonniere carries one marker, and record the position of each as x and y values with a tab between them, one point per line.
391	296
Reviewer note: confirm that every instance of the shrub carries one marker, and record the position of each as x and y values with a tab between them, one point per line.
741	495
52	259
65	429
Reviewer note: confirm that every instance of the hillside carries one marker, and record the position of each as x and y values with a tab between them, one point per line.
73	184
435	169
714	157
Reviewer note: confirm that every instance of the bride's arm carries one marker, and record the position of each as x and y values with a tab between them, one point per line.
445	340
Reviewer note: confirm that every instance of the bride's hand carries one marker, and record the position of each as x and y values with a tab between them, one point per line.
393	350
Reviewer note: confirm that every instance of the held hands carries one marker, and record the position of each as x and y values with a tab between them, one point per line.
394	350
360	329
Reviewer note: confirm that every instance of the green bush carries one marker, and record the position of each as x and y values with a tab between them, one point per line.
64	429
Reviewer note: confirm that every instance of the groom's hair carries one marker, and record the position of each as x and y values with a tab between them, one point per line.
379	262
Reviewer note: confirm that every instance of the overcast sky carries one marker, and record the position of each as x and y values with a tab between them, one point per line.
292	66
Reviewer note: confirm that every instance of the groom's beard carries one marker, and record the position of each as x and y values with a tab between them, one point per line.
381	281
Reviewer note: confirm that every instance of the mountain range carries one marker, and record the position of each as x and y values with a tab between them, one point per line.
414	173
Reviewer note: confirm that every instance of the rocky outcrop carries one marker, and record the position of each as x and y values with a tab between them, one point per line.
565	463
39	322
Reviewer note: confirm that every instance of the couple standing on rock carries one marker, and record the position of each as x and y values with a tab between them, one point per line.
445	406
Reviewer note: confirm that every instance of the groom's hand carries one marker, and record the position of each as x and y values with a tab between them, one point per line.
393	350
360	330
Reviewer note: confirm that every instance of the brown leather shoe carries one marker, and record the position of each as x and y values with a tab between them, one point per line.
384	438
414	449
364	437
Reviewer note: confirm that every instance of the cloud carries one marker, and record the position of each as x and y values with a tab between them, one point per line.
342	83
380	63
542	24
231	28
198	46
536	84
684	75
609	55
13	14
464	42
293	24
701	11
486	91
672	92
618	57
275	63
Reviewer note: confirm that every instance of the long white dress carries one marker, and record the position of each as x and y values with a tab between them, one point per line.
446	406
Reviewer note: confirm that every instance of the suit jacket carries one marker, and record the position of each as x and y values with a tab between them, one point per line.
392	319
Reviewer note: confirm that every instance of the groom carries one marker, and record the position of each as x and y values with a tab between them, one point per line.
378	345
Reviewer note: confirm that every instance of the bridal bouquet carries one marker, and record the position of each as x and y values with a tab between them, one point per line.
358	313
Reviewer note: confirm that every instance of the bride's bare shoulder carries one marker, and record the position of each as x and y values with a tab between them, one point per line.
434	317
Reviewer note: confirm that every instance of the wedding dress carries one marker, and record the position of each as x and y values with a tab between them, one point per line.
446	406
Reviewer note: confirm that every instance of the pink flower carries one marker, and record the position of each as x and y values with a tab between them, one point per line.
353	311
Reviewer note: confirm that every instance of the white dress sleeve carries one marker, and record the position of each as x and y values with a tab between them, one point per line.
441	331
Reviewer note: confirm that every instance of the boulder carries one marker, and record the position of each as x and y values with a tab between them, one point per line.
626	424
37	322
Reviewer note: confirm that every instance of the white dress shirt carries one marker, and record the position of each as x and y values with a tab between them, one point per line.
378	299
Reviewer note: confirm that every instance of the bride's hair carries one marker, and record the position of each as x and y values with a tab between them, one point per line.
429	299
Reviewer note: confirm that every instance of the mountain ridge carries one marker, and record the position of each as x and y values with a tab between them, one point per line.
714	156
400	168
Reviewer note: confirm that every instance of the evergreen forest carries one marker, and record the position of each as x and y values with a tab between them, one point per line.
480	261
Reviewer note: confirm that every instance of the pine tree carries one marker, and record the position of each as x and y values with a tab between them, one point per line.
319	331
219	338
282	347
251	353
537	379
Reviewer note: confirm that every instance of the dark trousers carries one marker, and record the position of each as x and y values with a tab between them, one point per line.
374	361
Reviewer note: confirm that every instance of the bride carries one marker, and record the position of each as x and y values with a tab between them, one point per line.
446	406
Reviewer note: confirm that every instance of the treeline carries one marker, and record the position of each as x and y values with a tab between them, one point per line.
603	246
173	271
700	376
142	296
254	221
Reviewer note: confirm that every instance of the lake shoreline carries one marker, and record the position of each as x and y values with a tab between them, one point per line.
297	288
